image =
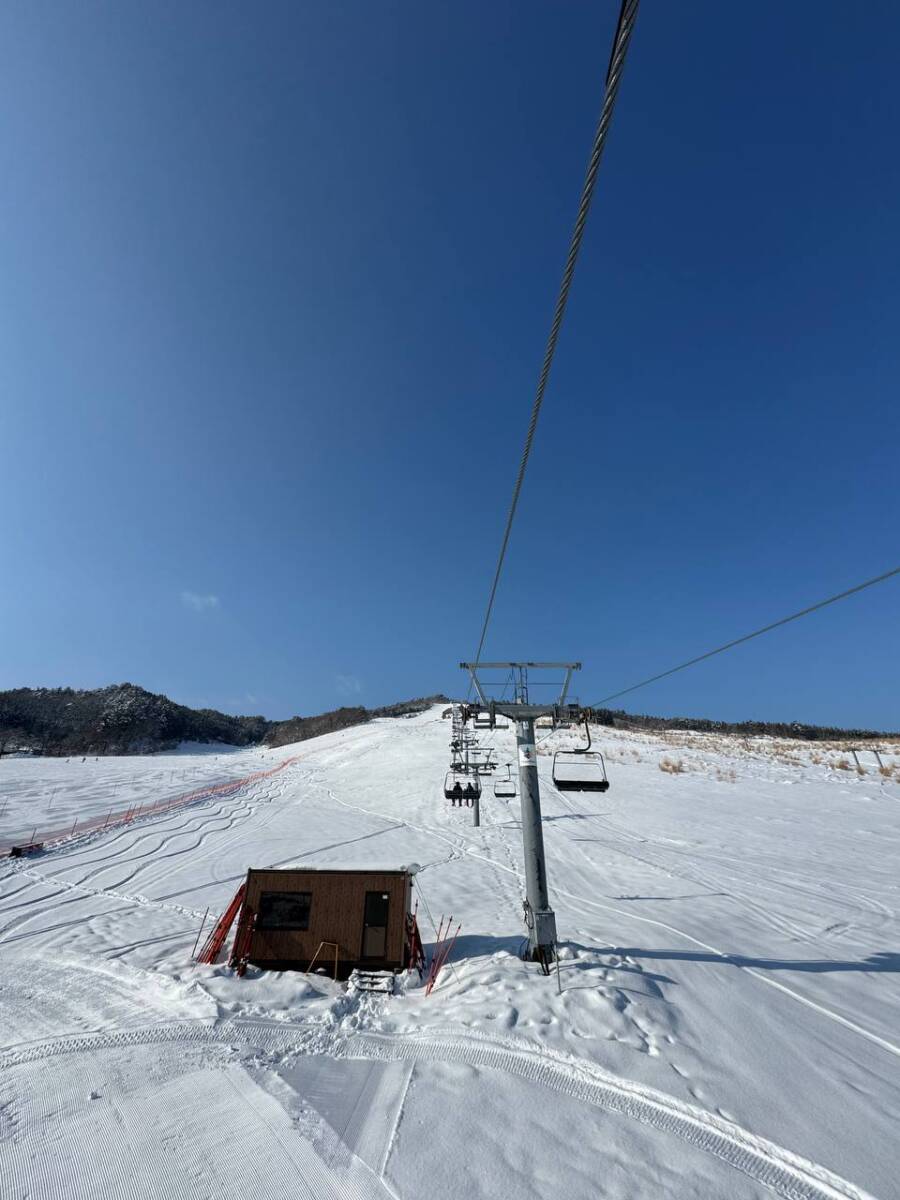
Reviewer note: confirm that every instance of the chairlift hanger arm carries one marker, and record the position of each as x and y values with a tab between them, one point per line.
587	731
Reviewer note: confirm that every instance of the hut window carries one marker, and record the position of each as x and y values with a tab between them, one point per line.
284	910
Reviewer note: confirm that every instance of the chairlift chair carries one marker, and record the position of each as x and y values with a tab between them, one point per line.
505	789
462	786
581	770
482	721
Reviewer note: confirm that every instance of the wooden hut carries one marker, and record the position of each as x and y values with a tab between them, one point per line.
358	918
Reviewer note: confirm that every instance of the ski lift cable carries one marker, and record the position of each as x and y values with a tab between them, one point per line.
624	27
804	612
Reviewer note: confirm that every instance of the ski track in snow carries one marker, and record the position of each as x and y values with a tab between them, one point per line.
97	933
786	1174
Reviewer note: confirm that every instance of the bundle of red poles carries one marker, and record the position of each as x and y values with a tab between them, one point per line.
441	952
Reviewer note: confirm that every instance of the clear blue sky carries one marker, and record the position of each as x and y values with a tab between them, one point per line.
275	284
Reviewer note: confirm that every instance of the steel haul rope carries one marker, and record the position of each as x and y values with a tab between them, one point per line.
749	636
627	15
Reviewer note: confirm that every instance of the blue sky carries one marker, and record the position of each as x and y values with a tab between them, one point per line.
275	284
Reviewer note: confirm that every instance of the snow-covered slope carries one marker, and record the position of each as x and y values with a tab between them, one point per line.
727	1025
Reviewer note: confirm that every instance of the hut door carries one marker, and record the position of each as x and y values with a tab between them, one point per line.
375	919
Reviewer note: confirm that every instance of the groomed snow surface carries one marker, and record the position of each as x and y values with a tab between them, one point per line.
729	1022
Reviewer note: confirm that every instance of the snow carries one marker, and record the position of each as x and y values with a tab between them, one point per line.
377	866
49	794
725	1021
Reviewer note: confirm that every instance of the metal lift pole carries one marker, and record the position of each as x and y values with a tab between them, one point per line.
539	916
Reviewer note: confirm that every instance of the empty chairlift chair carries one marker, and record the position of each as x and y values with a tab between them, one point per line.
505	788
581	770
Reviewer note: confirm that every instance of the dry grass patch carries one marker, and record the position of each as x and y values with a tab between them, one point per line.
672	766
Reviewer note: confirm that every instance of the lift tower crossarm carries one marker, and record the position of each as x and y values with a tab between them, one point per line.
521	669
499	666
517	712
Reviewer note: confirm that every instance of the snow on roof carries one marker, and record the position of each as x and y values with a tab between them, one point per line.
344	868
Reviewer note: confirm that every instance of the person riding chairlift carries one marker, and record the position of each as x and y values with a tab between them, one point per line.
457	794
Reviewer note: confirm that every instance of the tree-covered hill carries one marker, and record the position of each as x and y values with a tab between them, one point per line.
127	719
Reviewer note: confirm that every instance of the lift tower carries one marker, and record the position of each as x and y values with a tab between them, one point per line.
539	916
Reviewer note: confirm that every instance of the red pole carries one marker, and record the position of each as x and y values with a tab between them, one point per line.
448	949
445	954
433	967
437	939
